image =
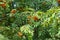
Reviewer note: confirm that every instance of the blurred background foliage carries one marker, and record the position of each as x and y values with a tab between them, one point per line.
29	20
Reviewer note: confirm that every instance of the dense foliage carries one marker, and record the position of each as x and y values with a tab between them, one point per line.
32	20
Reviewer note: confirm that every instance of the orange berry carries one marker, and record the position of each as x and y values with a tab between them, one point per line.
13	11
3	5
58	1
20	34
35	18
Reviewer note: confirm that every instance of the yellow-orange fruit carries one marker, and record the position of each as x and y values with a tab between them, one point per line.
20	34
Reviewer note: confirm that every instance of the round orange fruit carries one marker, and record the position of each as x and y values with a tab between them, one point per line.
13	11
35	18
58	1
3	5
